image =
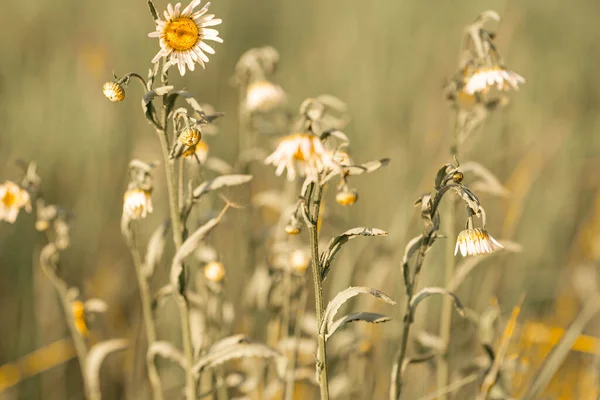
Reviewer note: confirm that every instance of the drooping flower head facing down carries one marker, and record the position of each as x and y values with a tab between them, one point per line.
137	203
264	96
197	153
12	199
304	152
475	241
183	34
113	91
484	79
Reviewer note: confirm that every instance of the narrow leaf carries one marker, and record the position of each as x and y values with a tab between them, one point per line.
429	291
156	248
220	182
373	318
166	350
243	350
341	298
94	361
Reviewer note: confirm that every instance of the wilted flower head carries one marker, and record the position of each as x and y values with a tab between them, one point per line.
137	203
485	78
12	199
304	151
197	152
475	241
113	91
264	96
214	271
346	197
190	136
183	34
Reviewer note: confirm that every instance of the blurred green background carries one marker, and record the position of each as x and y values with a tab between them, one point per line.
389	60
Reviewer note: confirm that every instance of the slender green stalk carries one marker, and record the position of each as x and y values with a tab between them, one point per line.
145	297
318	285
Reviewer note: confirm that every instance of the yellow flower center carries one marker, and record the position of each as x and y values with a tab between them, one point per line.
181	34
9	199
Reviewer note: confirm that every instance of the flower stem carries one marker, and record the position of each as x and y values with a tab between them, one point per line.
318	285
153	376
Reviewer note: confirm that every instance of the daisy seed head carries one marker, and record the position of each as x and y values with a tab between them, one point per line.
113	91
183	34
347	197
137	203
190	136
12	199
475	241
457	177
214	271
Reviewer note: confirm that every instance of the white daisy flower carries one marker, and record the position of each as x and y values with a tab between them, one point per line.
264	96
183	34
304	151
485	78
473	242
12	199
137	203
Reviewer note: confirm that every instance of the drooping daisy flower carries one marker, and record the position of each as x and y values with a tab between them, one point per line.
113	91
346	197
304	151
485	78
264	96
183	34
12	199
475	241
190	136
137	203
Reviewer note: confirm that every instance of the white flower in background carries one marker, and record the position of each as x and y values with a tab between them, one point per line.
182	35
485	78
303	151
299	260
473	242
197	152
214	271
12	199
137	203
264	96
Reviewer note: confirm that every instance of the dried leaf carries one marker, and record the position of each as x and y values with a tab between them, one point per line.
270	198
166	350
218	165
429	291
156	248
227	342
341	298
189	246
242	350
373	318
94	361
336	243
220	182
488	183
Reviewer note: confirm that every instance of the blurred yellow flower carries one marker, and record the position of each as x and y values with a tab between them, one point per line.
263	96
214	271
346	197
137	203
299	260
199	151
182	35
12	199
78	310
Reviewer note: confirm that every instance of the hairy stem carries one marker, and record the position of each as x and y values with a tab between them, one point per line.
145	297
318	285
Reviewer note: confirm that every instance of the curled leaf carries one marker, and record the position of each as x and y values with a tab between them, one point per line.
220	182
242	350
156	248
373	318
429	291
341	298
94	361
336	243
488	182
166	350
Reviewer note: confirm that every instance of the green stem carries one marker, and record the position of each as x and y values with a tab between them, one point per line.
318	285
